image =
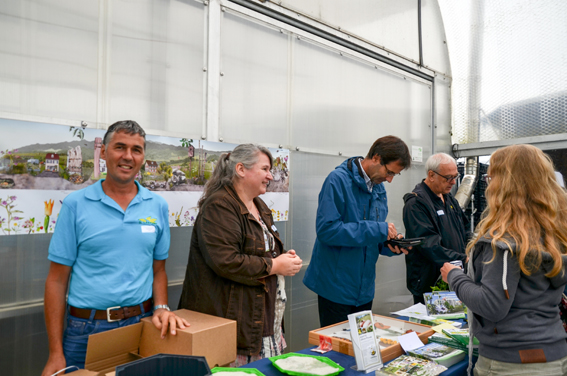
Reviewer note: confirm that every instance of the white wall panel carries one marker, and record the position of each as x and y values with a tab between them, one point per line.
107	60
444	131
341	104
386	23
434	42
157	60
254	85
48	55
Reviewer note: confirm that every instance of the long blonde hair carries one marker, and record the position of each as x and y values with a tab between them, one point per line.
526	205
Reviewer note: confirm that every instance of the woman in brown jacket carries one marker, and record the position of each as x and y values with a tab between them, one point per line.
236	259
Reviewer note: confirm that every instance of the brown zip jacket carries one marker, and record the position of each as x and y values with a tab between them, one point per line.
228	269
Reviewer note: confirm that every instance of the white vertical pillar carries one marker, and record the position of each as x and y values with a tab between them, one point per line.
103	66
211	126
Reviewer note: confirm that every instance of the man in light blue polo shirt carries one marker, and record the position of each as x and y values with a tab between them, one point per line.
112	240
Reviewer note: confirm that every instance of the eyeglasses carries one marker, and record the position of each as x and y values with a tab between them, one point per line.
487	178
390	173
448	178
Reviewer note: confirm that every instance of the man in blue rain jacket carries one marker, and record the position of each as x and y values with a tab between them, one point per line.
351	229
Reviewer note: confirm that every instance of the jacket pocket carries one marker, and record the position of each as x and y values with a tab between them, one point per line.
250	245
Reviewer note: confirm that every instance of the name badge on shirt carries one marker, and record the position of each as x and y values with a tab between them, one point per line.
440	212
148	229
274	228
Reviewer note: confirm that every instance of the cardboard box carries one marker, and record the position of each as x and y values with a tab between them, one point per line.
84	372
209	336
388	353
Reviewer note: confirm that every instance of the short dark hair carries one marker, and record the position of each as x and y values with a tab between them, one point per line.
128	126
391	149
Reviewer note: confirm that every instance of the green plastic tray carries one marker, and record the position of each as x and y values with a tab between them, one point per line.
293	373
251	371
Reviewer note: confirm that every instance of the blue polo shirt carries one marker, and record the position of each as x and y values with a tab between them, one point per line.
111	250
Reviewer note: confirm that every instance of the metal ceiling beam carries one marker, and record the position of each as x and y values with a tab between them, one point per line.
547	142
330	37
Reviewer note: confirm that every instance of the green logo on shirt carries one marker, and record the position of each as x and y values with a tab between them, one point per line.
148	220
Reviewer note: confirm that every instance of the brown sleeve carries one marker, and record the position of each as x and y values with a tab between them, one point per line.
227	249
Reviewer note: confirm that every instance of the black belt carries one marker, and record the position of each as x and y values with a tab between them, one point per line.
113	313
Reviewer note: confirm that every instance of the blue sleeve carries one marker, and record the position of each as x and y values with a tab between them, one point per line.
63	245
332	230
161	250
385	251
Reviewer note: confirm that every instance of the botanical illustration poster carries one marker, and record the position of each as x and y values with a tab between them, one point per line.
40	164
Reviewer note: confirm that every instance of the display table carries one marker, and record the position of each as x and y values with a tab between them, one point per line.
346	361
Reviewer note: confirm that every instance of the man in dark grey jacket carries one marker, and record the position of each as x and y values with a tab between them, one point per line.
431	211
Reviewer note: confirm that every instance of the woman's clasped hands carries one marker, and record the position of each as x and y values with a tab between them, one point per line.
287	264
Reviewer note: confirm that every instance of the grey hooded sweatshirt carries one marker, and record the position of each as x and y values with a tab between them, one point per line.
515	317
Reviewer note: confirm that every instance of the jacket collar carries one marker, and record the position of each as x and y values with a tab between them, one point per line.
353	167
431	194
423	191
243	209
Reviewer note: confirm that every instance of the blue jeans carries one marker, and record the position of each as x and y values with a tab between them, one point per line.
78	330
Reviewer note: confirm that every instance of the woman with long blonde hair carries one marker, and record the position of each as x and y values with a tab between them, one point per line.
516	268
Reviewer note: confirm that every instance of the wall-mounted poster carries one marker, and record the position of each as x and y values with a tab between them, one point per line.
40	164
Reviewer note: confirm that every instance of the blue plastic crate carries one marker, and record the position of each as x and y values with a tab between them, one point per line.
166	365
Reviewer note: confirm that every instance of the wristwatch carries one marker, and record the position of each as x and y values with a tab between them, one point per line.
164	306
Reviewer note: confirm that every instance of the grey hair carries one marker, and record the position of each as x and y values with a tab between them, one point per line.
128	127
438	159
225	171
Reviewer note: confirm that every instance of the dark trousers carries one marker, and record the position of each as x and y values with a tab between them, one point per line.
418	299
331	313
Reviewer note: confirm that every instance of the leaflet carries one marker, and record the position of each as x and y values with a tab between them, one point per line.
366	349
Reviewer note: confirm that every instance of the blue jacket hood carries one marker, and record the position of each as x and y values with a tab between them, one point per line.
350	167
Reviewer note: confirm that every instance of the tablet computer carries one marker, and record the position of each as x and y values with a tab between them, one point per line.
405	243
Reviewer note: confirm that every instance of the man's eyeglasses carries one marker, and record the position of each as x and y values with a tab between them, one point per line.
448	178
487	178
390	173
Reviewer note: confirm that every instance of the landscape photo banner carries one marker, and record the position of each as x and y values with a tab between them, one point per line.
40	164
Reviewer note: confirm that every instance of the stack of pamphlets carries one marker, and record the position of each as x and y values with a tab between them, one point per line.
441	354
405	365
444	305
418	313
460	335
434	322
458	339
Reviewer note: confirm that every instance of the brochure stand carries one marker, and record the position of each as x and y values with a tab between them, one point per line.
366	349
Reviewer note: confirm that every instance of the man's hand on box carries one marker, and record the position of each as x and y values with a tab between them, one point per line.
164	319
55	363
